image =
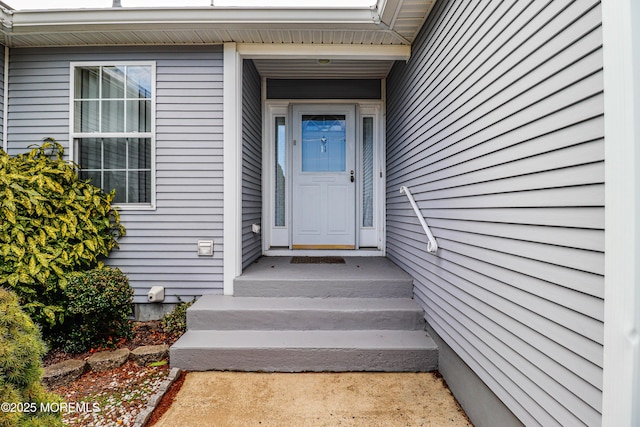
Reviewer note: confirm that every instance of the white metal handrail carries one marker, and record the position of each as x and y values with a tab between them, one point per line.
432	245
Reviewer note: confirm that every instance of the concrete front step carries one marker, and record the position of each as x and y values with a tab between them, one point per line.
220	312
356	316
358	278
323	288
301	351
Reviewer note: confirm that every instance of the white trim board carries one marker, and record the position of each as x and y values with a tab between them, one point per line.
5	102
315	51
337	252
621	378
232	175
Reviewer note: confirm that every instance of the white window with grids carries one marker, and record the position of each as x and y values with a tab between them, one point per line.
112	128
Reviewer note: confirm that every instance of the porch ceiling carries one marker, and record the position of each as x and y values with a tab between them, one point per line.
391	22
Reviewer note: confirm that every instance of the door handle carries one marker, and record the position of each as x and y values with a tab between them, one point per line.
353	178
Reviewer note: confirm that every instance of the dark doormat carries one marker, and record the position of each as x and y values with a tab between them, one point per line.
317	260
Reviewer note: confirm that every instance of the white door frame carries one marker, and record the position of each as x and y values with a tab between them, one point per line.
282	236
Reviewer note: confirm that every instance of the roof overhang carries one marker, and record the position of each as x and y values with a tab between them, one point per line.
285	42
377	25
324	61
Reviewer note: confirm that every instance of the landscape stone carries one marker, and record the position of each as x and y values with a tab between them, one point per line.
106	360
150	353
63	373
174	373
155	399
143	417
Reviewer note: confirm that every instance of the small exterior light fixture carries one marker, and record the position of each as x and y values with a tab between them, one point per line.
324	61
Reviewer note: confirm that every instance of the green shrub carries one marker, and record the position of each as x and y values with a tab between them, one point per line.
98	306
174	323
21	350
51	223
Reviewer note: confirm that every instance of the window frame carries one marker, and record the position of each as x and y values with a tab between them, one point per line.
277	235
73	135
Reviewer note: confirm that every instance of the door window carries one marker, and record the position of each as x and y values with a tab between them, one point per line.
324	143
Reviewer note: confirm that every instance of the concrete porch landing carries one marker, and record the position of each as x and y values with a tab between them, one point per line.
357	316
358	277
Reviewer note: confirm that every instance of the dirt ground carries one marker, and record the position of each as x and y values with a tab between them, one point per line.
313	399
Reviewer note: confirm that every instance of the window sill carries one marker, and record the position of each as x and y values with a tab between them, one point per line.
133	207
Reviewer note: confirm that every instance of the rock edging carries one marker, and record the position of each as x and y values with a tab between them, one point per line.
63	373
155	399
68	371
106	360
150	353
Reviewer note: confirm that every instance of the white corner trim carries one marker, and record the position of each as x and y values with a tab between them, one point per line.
621	382
232	122
5	102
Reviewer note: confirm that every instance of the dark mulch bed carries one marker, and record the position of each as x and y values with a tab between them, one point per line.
167	400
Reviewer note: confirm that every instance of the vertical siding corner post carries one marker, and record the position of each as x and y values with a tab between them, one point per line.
232	175
5	101
621	374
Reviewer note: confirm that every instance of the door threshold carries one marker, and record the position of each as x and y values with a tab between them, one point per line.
324	247
317	252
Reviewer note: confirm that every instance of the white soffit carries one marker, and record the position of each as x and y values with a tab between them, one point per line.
199	35
214	25
405	17
195	25
324	61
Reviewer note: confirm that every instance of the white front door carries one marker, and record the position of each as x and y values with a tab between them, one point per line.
324	190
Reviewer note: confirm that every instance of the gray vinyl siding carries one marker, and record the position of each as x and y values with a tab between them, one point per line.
160	245
38	97
496	126
251	162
